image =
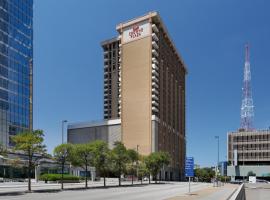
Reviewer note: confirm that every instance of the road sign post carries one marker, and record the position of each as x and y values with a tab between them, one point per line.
189	170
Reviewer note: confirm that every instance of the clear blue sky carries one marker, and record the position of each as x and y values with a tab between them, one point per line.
210	35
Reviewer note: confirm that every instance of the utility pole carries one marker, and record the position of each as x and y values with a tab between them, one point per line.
63	121
137	170
217	137
243	163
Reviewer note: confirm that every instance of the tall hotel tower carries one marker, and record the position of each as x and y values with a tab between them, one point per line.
144	94
16	66
144	86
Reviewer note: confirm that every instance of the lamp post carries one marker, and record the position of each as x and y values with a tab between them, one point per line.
137	170
63	121
217	137
243	153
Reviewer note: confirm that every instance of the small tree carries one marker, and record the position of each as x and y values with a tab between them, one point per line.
119	158
3	151
62	154
155	161
142	171
133	158
30	143
251	173
101	157
204	174
82	157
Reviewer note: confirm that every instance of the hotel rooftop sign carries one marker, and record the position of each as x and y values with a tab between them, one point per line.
136	31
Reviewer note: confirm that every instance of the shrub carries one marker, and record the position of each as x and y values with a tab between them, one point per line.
57	177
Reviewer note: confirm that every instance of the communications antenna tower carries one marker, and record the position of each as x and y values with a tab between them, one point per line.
247	108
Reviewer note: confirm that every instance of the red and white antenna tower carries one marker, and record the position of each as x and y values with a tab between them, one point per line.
247	108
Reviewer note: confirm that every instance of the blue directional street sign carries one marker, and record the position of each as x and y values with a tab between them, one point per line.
189	168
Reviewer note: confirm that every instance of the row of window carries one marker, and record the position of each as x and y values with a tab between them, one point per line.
17	120
17	50
14	87
21	20
17	45
21	16
22	79
14	67
24	5
20	100
14	31
22	47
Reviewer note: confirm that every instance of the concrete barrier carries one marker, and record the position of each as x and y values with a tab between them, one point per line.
239	194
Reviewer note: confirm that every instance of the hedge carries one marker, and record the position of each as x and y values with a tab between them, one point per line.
57	177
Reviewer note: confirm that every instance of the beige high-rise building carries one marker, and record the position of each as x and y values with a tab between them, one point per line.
144	94
144	86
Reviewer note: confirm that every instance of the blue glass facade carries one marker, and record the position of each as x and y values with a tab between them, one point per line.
16	66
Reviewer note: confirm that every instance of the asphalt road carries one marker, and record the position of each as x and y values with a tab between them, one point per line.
257	191
145	192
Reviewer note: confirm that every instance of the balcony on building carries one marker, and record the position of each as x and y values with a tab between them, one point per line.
155	103
155	73
154	52
154	36
154	66
154	78
154	91
154	61
155	97
155	109
154	44
154	28
155	85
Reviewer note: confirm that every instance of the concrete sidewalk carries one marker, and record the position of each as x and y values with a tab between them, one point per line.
210	193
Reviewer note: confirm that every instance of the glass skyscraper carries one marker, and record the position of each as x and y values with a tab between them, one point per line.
16	66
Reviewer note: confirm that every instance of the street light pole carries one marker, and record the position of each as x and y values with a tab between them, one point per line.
217	137
137	171
63	121
62	157
243	149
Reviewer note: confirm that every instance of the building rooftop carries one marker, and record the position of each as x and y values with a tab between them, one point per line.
265	131
114	39
155	17
94	123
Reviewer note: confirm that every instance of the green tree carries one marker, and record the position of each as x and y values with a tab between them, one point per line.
251	173
155	161
63	153
31	143
142	170
82	157
3	150
101	158
204	174
133	158
120	158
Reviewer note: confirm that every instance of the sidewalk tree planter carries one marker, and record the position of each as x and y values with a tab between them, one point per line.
31	143
82	156
63	153
101	158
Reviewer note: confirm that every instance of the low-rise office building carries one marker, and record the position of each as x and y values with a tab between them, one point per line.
249	151
106	130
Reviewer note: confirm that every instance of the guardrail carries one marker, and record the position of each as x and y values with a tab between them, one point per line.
239	194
